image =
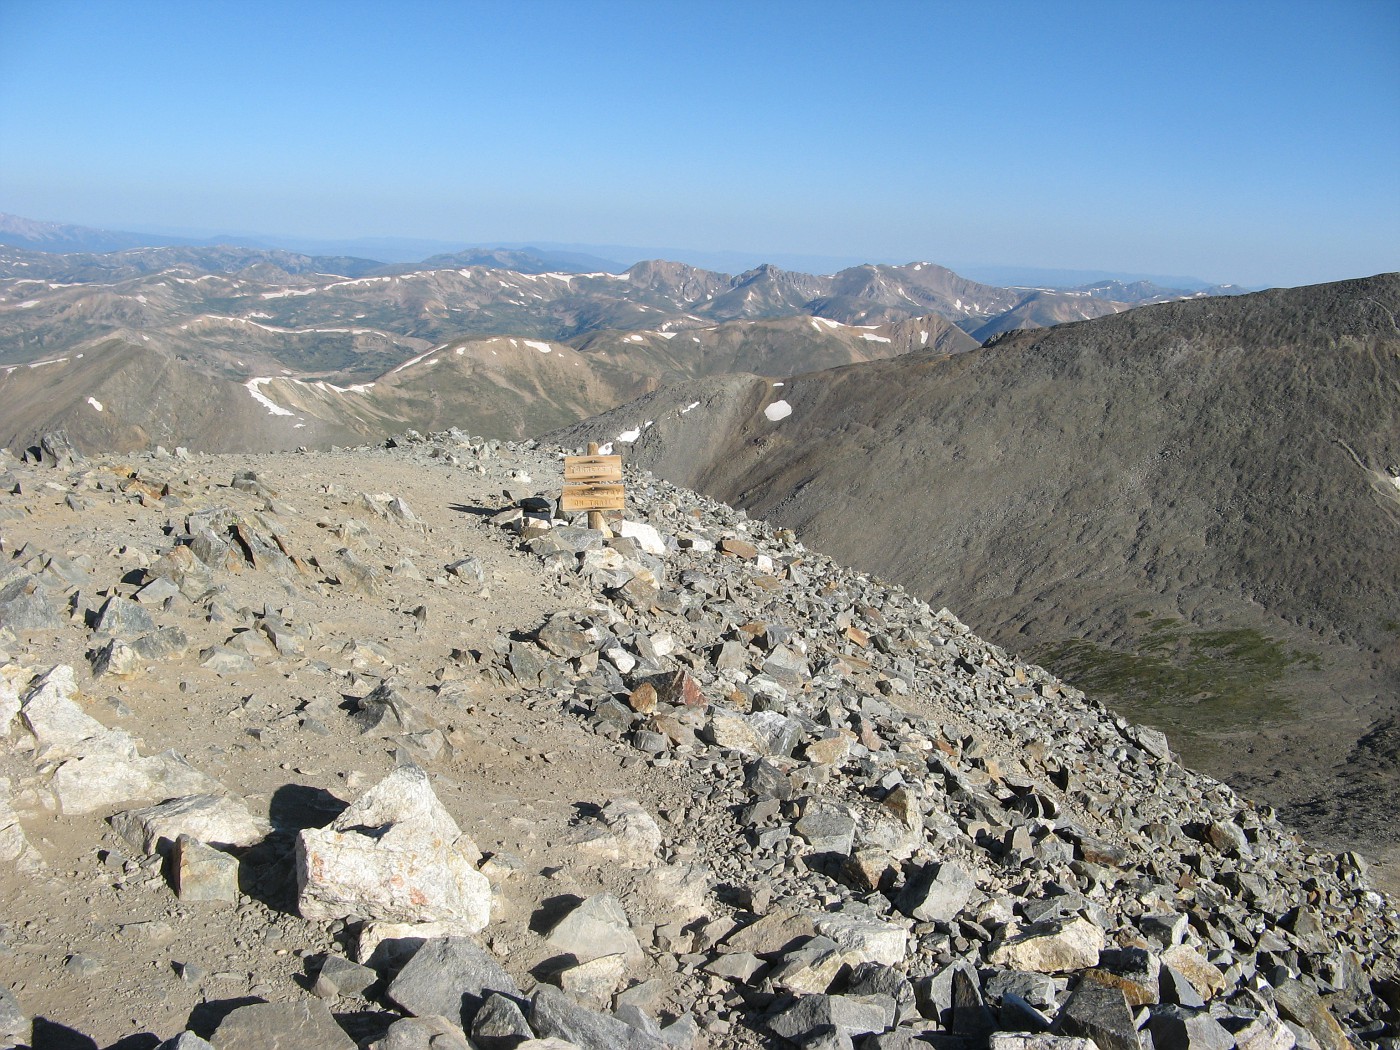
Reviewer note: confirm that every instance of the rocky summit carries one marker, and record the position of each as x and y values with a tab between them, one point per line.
373	748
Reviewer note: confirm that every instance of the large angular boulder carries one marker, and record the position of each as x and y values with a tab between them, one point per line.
554	1015
937	893
396	855
1055	946
595	928
451	977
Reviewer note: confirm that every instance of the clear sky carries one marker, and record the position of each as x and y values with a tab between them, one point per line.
1257	143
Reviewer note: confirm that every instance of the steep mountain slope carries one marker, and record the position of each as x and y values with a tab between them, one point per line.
1192	505
126	396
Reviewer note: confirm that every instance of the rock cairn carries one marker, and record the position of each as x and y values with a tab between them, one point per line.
889	833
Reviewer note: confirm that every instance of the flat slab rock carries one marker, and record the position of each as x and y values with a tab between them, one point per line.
304	1025
212	819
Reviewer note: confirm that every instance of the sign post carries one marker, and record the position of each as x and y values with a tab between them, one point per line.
592	483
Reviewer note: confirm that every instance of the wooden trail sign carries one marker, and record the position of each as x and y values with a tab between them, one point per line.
592	468
592	483
593	497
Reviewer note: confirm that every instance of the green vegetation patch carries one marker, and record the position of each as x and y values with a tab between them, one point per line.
1184	681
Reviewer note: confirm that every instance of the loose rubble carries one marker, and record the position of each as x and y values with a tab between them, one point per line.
834	817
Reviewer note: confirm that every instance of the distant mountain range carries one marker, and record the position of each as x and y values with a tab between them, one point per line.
35	235
286	349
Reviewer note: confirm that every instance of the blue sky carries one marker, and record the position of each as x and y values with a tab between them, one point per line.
1250	142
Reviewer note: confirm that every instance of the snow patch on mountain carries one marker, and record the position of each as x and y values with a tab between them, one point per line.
273	408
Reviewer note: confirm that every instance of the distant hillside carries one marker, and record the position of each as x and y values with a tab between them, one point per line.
129	392
1191	506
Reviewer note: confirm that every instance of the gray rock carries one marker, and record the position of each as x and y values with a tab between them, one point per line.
25	606
1227	837
1303	1006
354	574
774	932
14	1025
339	976
1265	1033
568	538
1098	1012
828	827
56	450
787	665
423	1033
186	1041
563	637
1181	1028
808	970
682	1032
1038	1041
155	593
863	938
594	981
303	1025
596	927
871	978
123	618
1153	741
634	1015
451	976
937	893
735	966
760	733
899	1039
500	1024
395	855
855	1015
553	1014
1173	987
1050	947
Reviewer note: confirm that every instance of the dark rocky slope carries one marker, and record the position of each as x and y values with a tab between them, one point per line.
1191	506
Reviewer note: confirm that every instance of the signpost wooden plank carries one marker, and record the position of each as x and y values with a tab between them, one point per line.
593	483
593	468
593	497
